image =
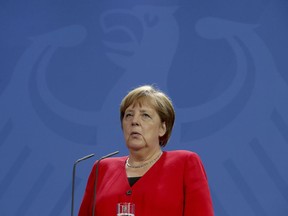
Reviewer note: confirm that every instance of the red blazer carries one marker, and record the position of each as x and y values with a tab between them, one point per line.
175	185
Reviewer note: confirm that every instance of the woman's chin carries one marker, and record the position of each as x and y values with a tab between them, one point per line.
135	145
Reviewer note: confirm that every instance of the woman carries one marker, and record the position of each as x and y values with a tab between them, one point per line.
159	183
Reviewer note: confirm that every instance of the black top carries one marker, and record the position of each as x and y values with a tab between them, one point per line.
133	180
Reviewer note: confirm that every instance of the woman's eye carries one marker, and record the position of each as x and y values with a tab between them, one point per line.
146	115
128	115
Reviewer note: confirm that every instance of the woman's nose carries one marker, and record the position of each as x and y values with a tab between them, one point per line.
135	120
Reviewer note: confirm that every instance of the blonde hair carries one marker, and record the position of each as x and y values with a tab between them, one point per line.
160	102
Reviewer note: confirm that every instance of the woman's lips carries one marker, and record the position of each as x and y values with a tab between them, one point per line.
134	133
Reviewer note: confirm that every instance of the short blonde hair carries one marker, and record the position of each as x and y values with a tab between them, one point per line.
160	102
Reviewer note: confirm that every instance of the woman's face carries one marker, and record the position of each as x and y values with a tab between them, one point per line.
142	126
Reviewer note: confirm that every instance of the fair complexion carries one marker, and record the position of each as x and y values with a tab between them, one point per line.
142	128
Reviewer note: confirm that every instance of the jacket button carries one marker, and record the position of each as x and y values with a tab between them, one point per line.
129	192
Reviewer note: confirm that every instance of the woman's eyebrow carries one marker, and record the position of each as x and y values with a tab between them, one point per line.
145	110
129	110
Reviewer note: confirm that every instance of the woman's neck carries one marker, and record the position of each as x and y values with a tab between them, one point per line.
138	167
143	156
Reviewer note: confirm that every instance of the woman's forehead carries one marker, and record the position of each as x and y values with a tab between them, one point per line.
142	102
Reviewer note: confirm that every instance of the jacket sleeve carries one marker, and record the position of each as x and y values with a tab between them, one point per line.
197	195
86	205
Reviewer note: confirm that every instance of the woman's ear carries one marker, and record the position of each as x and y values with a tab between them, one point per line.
163	129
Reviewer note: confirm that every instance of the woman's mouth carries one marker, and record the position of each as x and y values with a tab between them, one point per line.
134	133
